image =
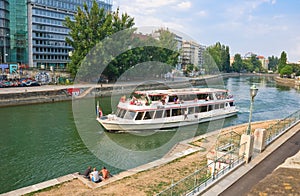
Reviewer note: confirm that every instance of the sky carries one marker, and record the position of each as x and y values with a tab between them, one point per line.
263	27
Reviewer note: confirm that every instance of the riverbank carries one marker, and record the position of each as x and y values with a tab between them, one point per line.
56	93
151	178
294	83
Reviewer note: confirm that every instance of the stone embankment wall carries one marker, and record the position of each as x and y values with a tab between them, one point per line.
23	98
47	96
288	82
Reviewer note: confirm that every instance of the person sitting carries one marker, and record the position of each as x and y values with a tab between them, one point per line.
105	173
87	172
94	176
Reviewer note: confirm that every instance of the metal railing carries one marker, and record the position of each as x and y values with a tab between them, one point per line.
281	127
207	175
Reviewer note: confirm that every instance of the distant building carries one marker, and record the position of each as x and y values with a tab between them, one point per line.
179	41
32	31
231	60
192	53
264	62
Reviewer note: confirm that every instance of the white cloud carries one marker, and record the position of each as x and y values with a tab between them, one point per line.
184	5
202	13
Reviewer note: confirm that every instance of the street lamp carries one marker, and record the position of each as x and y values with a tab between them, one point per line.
253	93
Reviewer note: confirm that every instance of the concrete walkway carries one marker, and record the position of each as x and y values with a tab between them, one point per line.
40	186
225	183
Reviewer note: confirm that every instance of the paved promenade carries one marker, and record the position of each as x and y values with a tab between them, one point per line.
229	185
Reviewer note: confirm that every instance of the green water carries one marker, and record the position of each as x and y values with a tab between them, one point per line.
44	141
39	142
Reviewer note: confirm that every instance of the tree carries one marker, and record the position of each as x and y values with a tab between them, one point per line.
237	65
286	70
89	27
273	63
221	56
282	61
256	64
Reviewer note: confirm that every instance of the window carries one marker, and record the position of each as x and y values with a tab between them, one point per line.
191	110
167	113
139	116
217	106
222	105
197	109
158	114
203	108
210	107
148	115
176	112
120	113
129	115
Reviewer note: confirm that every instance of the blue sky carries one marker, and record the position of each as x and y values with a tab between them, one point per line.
264	27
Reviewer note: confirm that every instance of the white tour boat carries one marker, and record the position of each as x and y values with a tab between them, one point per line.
163	109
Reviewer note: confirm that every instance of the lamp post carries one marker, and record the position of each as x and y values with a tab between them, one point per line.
253	93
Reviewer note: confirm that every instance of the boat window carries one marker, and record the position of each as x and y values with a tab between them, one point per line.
197	109
203	108
217	106
167	113
209	97
151	114
191	110
158	114
176	112
129	115
201	96
148	115
222	105
122	113
155	97
118	112
231	103
210	107
139	116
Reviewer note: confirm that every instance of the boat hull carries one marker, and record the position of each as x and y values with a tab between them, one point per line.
126	126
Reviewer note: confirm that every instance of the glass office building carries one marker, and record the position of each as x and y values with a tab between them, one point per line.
4	31
18	50
46	35
32	31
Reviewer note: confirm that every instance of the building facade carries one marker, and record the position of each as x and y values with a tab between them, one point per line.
192	53
36	34
4	30
18	32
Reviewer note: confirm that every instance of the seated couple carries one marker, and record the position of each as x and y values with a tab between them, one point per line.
96	177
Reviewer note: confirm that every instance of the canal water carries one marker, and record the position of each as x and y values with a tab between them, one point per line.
45	141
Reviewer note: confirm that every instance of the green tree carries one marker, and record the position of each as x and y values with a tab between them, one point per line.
89	27
247	64
221	56
282	61
237	65
286	70
162	49
256	64
273	63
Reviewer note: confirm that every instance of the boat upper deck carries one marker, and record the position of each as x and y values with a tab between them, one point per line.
174	98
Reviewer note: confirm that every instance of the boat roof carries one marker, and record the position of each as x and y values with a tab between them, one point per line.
183	91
